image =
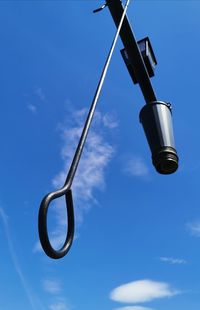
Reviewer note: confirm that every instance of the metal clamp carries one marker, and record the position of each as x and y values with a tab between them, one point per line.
101	8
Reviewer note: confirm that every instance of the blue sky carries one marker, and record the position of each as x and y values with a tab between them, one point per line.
137	232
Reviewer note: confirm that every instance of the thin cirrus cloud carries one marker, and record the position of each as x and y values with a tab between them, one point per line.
34	302
90	175
52	286
133	308
136	167
32	108
91	171
172	260
40	93
142	291
110	121
60	305
194	228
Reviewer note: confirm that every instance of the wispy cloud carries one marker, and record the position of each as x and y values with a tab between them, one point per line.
194	228
40	93
37	247
35	304
39	96
90	175
52	286
32	108
60	305
172	260
136	167
110	121
133	308
142	291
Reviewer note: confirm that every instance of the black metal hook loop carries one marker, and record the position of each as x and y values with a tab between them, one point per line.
42	223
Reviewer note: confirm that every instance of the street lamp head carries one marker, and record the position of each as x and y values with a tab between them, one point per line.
166	160
157	123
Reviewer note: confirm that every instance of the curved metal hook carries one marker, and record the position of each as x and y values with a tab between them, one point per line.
100	9
42	223
42	217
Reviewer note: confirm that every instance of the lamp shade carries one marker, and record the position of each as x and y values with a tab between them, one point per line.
156	118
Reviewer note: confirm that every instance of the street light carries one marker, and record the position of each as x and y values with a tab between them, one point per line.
156	115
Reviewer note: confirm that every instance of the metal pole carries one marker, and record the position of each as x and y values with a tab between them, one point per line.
95	100
131	46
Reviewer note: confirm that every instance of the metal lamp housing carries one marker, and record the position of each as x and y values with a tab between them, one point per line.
156	118
148	56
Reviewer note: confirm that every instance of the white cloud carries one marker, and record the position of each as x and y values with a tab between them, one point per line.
136	167
60	305
142	291
173	261
40	94
37	247
194	228
52	286
32	108
90	175
133	308
110	121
